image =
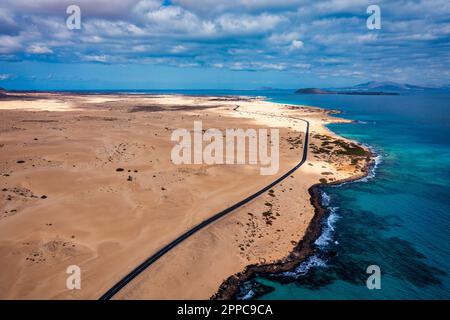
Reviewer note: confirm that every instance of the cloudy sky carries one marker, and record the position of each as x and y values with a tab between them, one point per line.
229	44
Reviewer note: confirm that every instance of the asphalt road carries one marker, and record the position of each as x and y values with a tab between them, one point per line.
153	258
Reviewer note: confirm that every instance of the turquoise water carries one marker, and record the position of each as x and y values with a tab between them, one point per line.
398	220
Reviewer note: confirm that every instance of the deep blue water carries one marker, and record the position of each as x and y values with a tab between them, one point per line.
399	219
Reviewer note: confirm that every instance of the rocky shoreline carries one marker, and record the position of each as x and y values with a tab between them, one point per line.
230	288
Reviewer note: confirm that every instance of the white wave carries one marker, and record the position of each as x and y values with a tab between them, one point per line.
303	268
327	233
325	199
326	236
372	170
250	294
324	240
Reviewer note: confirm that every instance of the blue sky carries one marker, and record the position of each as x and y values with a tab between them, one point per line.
221	44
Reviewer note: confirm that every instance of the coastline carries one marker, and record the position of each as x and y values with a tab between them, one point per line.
305	248
228	288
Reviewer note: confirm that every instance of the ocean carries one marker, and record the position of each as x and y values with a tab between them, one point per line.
397	219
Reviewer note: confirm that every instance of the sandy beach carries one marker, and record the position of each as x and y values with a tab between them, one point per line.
87	180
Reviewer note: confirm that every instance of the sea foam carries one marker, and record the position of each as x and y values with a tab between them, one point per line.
328	229
303	268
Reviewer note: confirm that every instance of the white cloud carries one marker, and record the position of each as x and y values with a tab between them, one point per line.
302	65
98	28
216	7
91	8
254	66
6	76
95	58
178	49
173	18
146	5
369	37
10	44
233	34
39	49
7	23
242	24
296	44
283	38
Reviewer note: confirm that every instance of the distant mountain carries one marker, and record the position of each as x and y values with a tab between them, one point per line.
350	92
394	87
374	88
386	86
312	91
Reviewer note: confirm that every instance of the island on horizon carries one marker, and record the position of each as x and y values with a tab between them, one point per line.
363	93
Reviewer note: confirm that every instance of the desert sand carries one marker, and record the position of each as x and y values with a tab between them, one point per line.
87	180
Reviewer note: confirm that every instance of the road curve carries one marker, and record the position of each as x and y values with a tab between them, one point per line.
153	258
